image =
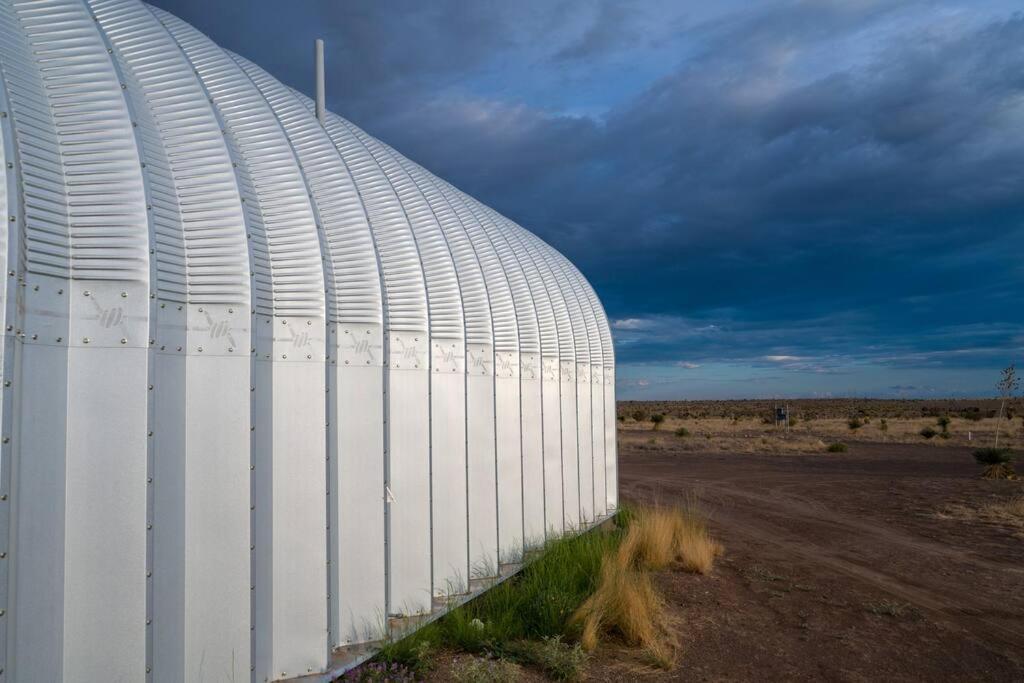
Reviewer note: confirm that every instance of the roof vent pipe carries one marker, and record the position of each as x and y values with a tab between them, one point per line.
318	54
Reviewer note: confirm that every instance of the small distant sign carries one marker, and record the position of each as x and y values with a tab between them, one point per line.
781	415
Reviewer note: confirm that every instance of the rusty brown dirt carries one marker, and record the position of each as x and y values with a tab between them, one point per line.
838	566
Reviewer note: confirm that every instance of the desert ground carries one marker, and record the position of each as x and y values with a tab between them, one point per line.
892	560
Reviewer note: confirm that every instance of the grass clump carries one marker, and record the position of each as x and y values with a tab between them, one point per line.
478	670
928	432
559	660
657	419
837	447
854	423
682	432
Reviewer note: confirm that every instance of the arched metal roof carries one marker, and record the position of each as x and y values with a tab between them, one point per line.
268	383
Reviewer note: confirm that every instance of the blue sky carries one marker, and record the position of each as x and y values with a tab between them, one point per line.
793	198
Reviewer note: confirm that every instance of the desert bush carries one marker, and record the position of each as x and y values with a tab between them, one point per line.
927	432
943	422
682	431
639	415
883	425
559	660
793	422
993	456
657	419
855	423
477	670
621	418
837	447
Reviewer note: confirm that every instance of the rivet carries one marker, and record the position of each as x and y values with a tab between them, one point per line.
123	340
149	526
200	349
200	309
3	556
85	340
124	295
149	574
86	293
231	310
309	322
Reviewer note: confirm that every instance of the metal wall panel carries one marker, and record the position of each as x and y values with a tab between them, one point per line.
77	555
199	401
447	482
536	442
355	435
407	407
288	400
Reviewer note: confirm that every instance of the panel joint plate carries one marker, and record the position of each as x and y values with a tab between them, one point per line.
506	364
408	350
550	369
448	356
529	366
480	359
357	345
290	338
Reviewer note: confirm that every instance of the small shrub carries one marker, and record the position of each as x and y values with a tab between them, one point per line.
883	425
682	431
477	670
1002	470
559	660
943	422
657	419
639	415
855	423
993	456
793	422
973	415
622	418
928	432
837	447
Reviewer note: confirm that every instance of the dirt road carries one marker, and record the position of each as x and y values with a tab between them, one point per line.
843	566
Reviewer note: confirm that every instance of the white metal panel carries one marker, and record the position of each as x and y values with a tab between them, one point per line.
355	375
553	512
201	590
610	446
585	442
9	214
199	525
408	477
532	403
447	480
407	411
481	462
76	553
541	451
357	487
508	431
570	449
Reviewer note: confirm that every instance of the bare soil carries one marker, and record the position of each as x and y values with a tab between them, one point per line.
856	566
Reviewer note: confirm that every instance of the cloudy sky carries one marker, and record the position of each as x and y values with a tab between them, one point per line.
779	198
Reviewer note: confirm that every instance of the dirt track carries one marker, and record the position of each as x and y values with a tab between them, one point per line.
839	566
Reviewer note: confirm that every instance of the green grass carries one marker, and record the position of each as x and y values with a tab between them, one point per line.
534	605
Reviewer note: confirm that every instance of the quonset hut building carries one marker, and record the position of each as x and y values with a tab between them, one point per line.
267	383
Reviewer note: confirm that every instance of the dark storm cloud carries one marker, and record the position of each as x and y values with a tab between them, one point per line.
835	182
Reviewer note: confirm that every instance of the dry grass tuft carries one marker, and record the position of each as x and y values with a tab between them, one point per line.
659	536
1005	513
626	604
